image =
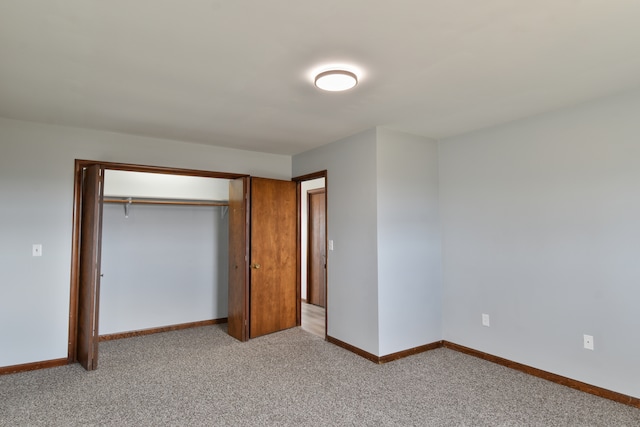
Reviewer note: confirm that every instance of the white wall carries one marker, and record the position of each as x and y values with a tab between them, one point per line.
36	186
312	184
409	246
352	279
119	183
163	265
384	274
541	227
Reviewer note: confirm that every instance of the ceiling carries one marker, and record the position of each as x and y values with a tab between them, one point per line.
237	73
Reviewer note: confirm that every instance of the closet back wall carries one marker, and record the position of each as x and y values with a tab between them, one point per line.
163	265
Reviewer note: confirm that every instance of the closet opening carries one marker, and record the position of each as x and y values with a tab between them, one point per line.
164	257
149	252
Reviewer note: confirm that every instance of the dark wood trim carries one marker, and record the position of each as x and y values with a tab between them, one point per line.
310	176
353	349
326	251
559	379
305	199
160	169
409	352
33	366
299	299
389	357
150	331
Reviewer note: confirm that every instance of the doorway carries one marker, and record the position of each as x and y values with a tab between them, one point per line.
312	207
164	253
86	244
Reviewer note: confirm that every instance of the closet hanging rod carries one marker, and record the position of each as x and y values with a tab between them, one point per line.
164	201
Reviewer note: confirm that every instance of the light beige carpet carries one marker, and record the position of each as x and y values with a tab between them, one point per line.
203	377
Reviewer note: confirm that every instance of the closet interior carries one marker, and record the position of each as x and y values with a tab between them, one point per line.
164	258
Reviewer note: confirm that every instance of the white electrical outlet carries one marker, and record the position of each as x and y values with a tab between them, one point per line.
588	342
36	250
485	320
330	245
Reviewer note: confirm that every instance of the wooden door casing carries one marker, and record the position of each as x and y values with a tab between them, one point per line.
316	251
273	254
89	268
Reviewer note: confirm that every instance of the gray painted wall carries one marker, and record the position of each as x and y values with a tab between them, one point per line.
36	187
409	248
541	230
352	279
163	265
384	275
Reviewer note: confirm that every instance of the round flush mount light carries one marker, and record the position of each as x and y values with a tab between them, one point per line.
336	80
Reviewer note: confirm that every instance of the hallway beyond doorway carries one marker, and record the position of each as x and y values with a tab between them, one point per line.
313	319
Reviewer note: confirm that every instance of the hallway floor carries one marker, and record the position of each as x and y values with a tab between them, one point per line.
313	319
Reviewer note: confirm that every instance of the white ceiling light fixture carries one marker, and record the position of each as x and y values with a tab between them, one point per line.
336	80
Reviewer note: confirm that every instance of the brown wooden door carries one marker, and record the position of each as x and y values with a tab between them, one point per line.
238	326
273	289
316	252
89	284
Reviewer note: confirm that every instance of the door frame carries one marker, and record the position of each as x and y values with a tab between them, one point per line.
300	199
75	234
